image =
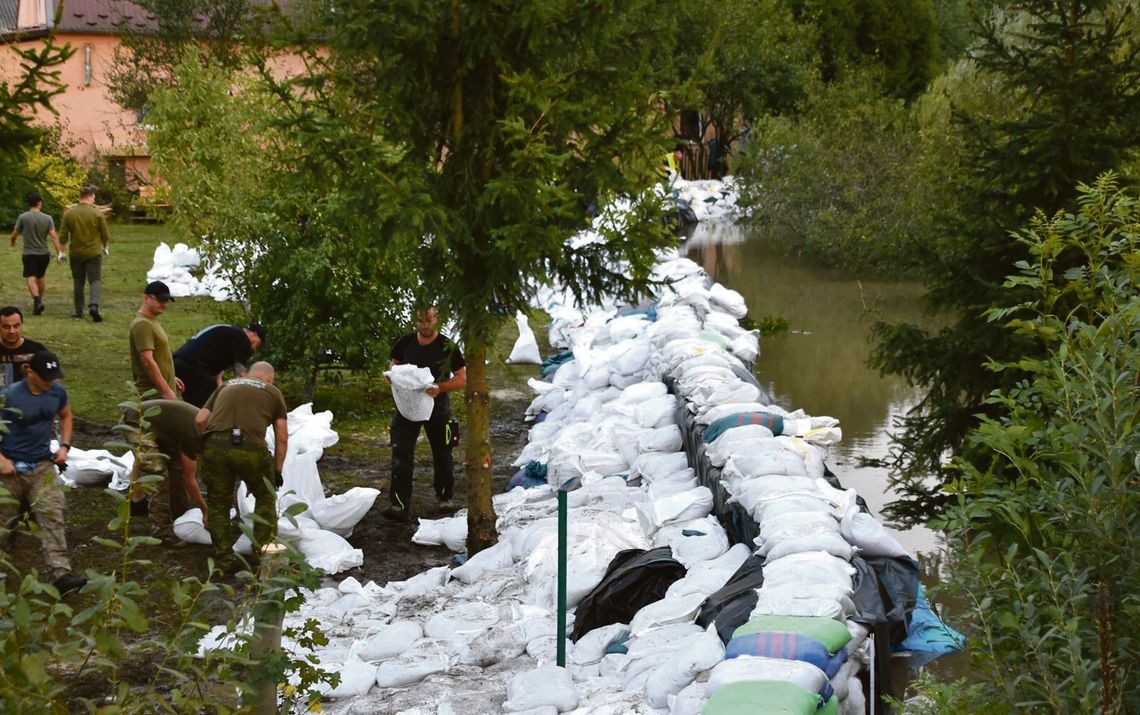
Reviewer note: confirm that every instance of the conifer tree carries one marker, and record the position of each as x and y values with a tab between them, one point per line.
1073	68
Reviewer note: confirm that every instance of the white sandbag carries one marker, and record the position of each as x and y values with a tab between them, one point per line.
764	462
728	300
793	525
340	513
356	678
640	392
424	658
693	542
450	532
660	439
698	654
491	559
301	478
675	483
715	412
683	506
710	576
631	360
738	440
390	641
189	528
808	568
757	667
627	327
856	702
325	550
655	465
870	536
656	411
746	346
460	618
502	642
681	609
831	542
545	686
525	350
408	385
821	601
591	647
690	700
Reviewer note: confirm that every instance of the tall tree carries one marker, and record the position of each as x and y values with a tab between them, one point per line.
1070	75
518	119
30	151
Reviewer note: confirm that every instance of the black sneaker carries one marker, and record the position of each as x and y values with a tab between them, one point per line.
140	507
69	582
395	513
37	306
95	314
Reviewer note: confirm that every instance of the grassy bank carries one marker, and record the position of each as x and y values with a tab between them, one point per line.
96	357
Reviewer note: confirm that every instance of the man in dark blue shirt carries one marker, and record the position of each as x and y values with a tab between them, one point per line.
204	358
27	464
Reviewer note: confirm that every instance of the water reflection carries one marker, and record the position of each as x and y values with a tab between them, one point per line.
820	365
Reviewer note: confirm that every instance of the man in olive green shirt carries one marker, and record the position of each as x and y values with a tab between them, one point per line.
152	363
86	227
232	424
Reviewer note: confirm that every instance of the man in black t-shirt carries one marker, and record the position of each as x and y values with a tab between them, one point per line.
15	349
426	347
204	358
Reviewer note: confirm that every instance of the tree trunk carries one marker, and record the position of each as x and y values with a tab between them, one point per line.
477	456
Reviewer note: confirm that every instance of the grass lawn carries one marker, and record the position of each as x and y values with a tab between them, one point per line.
96	357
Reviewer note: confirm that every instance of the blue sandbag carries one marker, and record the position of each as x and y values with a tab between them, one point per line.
739	419
530	476
788	646
928	637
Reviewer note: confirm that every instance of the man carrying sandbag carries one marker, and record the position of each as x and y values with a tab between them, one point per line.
232	424
425	348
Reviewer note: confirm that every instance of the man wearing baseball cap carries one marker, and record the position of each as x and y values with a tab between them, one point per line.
152	363
203	359
27	464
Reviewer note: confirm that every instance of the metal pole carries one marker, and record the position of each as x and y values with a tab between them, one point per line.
562	576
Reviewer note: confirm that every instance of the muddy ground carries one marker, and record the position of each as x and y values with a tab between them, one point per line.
389	553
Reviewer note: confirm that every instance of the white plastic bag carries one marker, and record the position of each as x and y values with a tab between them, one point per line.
408	385
525	350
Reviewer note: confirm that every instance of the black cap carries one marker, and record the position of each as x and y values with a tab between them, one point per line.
159	290
259	329
45	364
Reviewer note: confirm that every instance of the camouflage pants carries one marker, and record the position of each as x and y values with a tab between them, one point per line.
39	491
222	467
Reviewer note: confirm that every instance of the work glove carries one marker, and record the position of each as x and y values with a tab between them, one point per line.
278	478
61	257
106	250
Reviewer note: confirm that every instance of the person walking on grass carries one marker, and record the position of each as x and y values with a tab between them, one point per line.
426	347
36	227
232	425
15	349
85	226
28	466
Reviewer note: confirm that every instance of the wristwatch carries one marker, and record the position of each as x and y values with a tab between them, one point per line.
65	445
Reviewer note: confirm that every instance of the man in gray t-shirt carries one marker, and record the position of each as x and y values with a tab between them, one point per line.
36	227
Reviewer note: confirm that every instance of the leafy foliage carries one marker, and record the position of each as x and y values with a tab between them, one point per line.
1068	76
1048	529
32	155
50	651
896	37
847	181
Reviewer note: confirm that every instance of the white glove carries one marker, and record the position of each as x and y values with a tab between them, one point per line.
61	257
106	250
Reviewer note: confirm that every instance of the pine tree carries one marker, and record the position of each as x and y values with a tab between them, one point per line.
1073	69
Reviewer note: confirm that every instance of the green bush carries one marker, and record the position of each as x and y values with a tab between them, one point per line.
1048	555
844	181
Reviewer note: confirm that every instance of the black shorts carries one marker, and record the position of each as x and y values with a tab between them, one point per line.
35	266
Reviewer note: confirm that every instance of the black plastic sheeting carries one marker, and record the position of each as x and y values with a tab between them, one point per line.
730	606
634	579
